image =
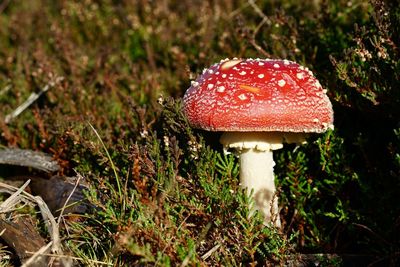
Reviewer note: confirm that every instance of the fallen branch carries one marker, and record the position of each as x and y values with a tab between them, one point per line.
21	235
28	158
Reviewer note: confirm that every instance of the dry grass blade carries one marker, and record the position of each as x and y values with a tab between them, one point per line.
18	195
68	198
13	200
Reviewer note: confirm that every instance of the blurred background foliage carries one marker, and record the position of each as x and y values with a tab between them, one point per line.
126	65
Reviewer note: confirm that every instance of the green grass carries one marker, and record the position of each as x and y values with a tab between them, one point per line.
165	193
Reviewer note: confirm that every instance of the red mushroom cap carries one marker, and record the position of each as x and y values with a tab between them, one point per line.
258	95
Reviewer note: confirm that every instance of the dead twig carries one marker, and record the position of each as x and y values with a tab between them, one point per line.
31	99
265	20
210	252
259	12
36	255
5	89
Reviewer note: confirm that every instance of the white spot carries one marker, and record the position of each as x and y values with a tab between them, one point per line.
242	97
217	73
316	120
224	75
204	70
210	86
195	84
230	63
324	91
210	71
300	75
261	76
286	62
221	89
281	83
242	72
276	66
261	63
317	84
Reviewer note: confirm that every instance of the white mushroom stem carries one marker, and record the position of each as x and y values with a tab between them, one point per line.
257	177
257	167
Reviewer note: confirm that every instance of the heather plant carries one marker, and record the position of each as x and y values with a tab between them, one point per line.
165	194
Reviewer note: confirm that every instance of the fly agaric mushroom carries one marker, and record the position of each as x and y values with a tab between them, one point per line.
258	104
